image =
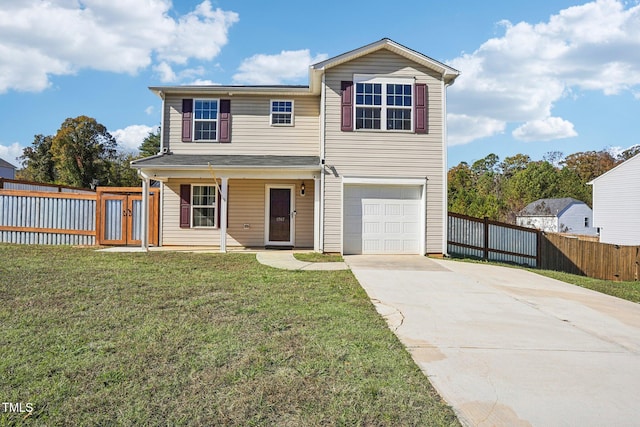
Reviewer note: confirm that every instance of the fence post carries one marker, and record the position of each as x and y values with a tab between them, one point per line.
485	254
539	249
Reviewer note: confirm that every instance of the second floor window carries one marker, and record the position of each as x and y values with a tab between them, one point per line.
282	113
205	120
384	105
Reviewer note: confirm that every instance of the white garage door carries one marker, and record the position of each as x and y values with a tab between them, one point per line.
382	219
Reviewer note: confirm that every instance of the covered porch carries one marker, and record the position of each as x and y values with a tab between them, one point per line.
236	201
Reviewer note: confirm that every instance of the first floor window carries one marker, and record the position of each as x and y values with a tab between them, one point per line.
203	205
205	120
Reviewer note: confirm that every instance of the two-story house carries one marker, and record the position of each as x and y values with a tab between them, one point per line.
355	162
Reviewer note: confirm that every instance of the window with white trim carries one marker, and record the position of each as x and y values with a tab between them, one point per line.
281	113
383	103
205	120
203	205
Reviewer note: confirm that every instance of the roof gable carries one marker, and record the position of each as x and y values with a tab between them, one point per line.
624	165
449	74
5	164
549	207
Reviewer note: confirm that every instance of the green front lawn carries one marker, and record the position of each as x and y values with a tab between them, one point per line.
626	290
92	338
317	257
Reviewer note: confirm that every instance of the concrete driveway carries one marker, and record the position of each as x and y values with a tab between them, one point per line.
505	347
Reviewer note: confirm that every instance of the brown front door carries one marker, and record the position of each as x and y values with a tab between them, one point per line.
280	215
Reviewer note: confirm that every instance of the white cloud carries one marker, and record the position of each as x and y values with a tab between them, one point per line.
39	39
545	130
10	153
130	138
150	110
287	66
517	78
463	129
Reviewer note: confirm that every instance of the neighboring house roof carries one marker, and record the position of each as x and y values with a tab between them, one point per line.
197	161
5	164
316	71
623	165
548	207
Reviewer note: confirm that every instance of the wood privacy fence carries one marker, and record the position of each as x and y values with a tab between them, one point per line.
495	241
492	240
592	259
110	216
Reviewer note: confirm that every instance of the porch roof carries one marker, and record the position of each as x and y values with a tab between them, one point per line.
196	161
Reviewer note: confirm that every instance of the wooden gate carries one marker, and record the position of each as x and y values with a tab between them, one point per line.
119	219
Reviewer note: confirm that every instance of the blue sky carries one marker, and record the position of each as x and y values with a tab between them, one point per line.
550	75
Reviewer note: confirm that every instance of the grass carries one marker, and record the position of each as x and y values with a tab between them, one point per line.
93	338
625	290
317	257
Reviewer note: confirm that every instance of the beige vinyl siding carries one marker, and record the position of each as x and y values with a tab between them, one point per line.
246	206
384	154
251	130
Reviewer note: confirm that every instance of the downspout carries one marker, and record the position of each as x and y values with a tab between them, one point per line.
163	149
323	109
445	187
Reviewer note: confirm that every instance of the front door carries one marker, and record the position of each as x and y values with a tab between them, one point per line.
279	222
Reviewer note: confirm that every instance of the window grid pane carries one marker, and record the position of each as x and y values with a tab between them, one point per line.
399	95
281	119
368	94
398	119
205	130
204	205
367	118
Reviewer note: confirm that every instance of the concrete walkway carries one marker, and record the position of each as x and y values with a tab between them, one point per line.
286	261
505	347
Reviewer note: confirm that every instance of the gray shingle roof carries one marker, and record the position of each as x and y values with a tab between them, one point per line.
195	161
548	207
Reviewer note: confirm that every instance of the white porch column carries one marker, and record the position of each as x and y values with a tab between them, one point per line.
224	189
144	213
316	214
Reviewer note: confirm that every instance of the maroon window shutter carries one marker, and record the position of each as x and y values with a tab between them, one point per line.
421	108
185	206
346	123
225	120
187	118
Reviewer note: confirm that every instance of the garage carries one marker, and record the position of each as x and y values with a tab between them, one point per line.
382	219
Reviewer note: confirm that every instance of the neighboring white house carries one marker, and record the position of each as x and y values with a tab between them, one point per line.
7	170
565	215
616	203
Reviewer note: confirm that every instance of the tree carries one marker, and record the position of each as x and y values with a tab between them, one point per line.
82	150
629	153
513	164
151	144
589	164
37	160
121	174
